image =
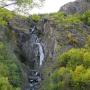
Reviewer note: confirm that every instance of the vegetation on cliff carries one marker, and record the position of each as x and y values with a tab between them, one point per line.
5	16
72	68
10	69
73	71
61	18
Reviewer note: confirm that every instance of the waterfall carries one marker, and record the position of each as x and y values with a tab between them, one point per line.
41	53
37	42
33	29
34	75
34	52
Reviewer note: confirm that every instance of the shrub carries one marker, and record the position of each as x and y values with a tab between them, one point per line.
4	84
86	58
72	58
72	40
35	18
73	71
72	19
88	42
60	79
61	18
86	17
57	17
9	68
5	16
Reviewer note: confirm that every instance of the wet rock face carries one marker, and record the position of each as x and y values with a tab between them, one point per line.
78	6
34	79
50	36
29	51
48	39
20	24
28	48
26	38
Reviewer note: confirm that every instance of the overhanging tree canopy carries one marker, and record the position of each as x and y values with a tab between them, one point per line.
21	2
22	5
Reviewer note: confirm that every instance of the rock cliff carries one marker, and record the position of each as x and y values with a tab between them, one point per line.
45	39
79	6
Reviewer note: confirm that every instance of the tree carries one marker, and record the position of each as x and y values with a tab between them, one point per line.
21	2
23	6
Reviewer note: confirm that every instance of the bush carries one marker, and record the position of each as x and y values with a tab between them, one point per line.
74	57
86	17
61	18
73	71
72	19
86	58
57	17
10	71
71	58
4	84
71	39
88	42
35	18
60	79
5	16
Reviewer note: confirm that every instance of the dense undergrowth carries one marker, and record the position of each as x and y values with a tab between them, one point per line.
72	69
5	16
61	18
10	69
11	77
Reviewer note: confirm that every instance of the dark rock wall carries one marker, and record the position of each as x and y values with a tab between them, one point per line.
49	39
79	6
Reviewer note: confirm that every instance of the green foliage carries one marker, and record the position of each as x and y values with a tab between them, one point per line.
20	2
60	79
72	19
15	76
88	42
86	58
86	17
5	16
4	84
81	78
73	71
61	18
10	72
3	70
71	39
74	57
23	2
57	17
35	18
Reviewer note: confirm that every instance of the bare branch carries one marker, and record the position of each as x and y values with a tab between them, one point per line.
8	4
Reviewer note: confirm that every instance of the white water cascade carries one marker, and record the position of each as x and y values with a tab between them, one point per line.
41	53
33	29
37	42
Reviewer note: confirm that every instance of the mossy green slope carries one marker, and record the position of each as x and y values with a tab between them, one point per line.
10	68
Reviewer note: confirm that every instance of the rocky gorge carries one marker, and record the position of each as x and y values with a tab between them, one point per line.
37	42
31	48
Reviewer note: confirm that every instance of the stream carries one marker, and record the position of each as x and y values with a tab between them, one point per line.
31	53
34	74
41	53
